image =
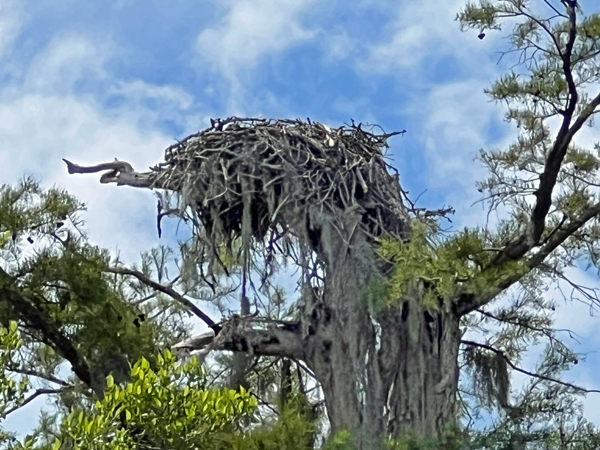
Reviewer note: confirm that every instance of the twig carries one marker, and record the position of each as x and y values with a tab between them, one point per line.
29	399
33	373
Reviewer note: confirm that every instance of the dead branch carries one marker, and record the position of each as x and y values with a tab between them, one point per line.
240	334
120	172
42	376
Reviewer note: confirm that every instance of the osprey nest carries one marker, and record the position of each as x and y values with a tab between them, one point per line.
244	177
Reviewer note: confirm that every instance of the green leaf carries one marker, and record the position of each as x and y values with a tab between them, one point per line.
4	238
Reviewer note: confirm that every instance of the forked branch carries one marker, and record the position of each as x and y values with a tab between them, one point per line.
119	172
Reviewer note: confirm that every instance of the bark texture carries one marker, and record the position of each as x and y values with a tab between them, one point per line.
383	373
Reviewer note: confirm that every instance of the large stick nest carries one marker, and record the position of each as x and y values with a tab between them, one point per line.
242	177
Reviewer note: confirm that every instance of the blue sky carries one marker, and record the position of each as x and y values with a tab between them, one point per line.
91	81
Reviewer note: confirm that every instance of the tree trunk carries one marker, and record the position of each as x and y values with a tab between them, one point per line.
383	373
241	361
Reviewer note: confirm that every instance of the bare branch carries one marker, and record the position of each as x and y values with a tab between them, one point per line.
43	376
170	292
32	397
545	331
526	372
238	335
121	172
558	13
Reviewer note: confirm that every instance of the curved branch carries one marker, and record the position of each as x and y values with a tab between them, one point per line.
43	376
170	292
526	372
32	397
122	173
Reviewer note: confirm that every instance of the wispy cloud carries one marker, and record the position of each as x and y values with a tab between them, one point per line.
12	17
68	58
252	30
416	37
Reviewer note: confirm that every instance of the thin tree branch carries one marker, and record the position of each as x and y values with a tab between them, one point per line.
170	292
29	399
544	331
554	9
33	373
526	372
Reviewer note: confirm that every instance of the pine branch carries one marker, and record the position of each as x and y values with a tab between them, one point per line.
52	336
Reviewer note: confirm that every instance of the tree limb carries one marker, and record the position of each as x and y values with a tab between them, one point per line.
33	373
170	292
523	371
122	173
534	230
471	302
37	319
238	335
32	397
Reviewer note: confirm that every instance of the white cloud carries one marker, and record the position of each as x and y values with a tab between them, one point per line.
12	17
336	43
251	30
43	120
420	34
147	104
67	59
36	131
139	91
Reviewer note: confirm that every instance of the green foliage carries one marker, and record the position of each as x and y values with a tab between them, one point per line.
28	208
67	279
171	406
457	264
450	439
12	391
293	430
